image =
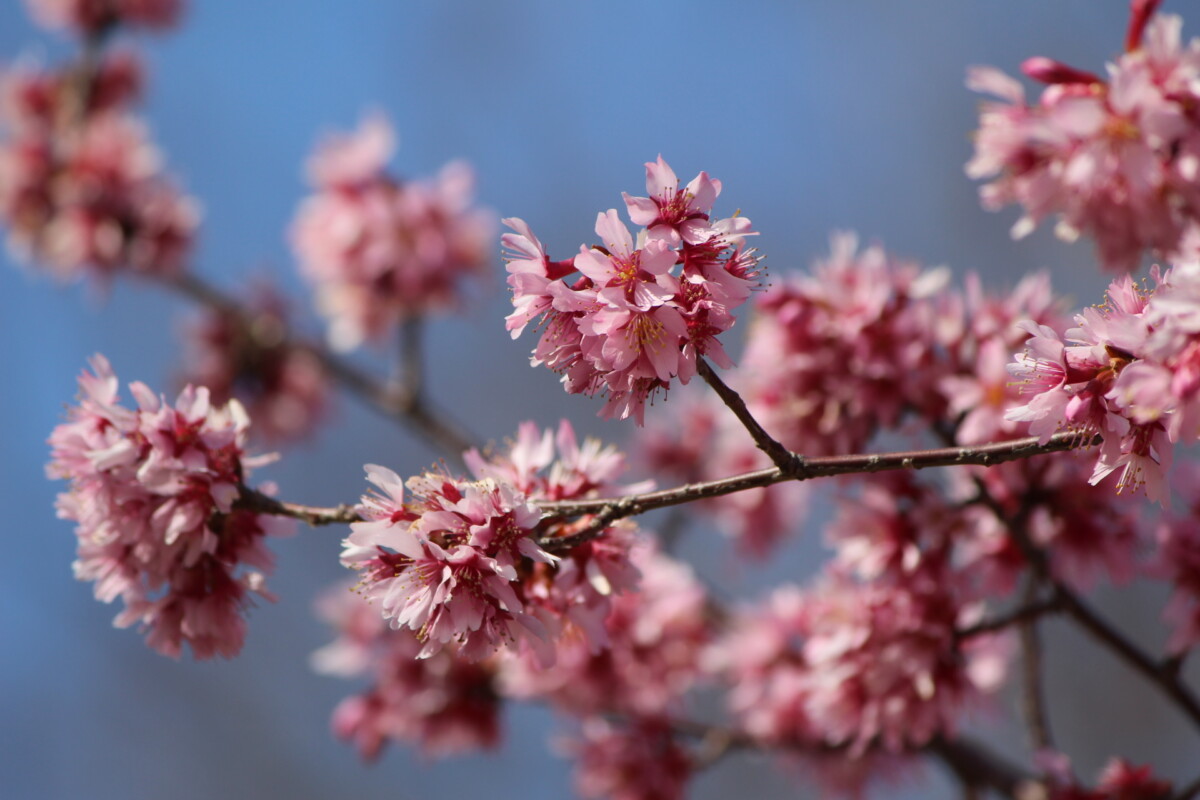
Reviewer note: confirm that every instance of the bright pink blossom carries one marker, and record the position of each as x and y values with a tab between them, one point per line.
851	663
445	562
377	249
152	495
644	308
651	654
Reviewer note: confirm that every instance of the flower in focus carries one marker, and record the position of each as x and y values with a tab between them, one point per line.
644	308
152	495
445	563
377	249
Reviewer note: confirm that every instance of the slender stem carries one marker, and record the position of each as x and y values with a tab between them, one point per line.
401	403
821	467
614	508
1159	674
1022	613
253	500
784	460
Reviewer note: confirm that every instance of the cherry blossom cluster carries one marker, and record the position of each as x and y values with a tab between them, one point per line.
153	493
463	560
1125	373
443	704
643	309
247	353
863	344
869	656
1116	158
82	187
377	249
94	17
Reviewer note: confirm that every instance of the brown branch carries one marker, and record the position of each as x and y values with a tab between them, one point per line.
1022	613
821	467
787	462
402	403
256	501
613	508
1162	674
1157	673
971	762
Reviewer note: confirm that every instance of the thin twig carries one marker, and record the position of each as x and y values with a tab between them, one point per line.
1022	613
402	403
784	460
615	508
971	761
825	466
253	500
1159	674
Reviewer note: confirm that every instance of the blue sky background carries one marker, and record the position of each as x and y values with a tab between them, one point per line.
815	115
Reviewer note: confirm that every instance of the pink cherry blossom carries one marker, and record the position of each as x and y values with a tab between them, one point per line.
377	249
1115	159
834	355
650	655
444	704
152	495
445	563
85	190
638	761
644	308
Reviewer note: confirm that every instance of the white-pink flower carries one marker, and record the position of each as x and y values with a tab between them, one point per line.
445	562
378	249
643	308
153	494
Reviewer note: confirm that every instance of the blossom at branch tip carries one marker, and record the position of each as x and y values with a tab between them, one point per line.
152	495
378	249
1115	158
643	308
82	188
1126	372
